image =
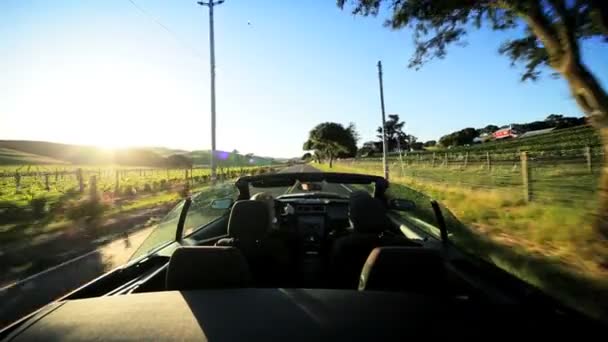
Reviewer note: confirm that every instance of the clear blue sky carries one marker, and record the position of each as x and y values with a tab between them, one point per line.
101	72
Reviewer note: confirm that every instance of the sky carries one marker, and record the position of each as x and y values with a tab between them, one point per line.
107	73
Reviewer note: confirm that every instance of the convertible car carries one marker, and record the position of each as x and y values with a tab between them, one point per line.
302	256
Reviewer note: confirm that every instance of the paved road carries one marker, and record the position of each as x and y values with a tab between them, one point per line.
340	189
21	298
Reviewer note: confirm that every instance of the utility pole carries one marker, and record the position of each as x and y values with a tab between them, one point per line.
212	4
384	147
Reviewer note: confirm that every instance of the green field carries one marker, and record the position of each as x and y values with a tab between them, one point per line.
46	198
547	241
567	139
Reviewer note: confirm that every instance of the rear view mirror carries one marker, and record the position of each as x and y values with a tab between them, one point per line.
222	203
401	204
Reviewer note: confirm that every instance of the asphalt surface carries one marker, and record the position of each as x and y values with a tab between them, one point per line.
25	296
340	189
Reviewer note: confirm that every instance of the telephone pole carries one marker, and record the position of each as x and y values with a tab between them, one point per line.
384	147
212	4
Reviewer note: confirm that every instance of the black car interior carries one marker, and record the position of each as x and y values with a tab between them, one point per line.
326	267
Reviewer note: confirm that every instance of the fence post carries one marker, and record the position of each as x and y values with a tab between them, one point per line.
588	157
116	188
93	188
466	159
17	182
80	180
525	175
46	182
445	160
488	161
433	163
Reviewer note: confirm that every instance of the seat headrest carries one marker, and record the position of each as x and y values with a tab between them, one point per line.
207	268
249	220
367	214
412	269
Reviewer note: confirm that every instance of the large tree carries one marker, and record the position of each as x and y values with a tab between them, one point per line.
550	39
395	136
330	140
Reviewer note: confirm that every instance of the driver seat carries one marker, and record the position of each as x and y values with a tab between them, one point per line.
371	228
248	228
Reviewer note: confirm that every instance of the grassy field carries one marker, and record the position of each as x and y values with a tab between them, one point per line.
548	243
567	139
32	209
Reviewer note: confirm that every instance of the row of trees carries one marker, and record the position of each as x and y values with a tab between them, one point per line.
467	135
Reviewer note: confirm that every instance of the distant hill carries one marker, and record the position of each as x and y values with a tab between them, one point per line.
12	157
165	152
14	152
226	159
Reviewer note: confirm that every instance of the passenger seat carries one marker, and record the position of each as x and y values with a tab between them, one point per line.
248	231
192	268
371	228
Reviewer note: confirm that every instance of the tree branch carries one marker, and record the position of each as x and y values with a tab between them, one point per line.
566	30
600	14
542	28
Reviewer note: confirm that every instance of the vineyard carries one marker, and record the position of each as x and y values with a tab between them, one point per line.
22	184
37	199
568	139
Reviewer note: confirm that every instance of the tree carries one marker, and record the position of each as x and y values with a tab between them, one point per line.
551	33
331	140
459	138
395	137
235	158
307	156
179	161
554	117
430	143
489	129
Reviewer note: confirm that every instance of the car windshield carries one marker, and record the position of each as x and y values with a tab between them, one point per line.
200	212
321	189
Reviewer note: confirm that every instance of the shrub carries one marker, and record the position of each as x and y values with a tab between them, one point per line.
38	206
185	190
147	187
128	190
164	185
89	210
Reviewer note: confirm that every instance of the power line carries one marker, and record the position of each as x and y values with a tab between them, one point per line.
184	45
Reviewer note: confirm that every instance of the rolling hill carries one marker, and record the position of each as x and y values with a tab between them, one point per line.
20	152
12	157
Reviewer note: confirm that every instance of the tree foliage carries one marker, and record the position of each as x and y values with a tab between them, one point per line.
458	138
330	140
395	136
551	32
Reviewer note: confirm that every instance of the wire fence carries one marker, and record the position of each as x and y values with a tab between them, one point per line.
569	176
